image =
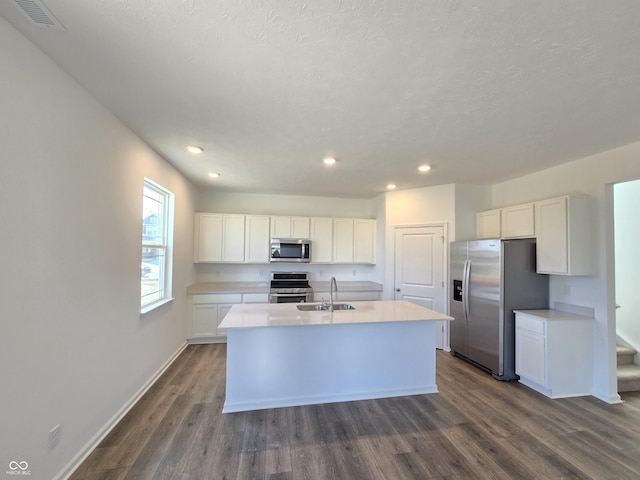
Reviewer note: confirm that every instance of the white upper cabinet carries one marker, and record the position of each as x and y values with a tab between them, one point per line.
488	224
218	237
207	237
342	240
257	239
364	241
300	227
290	227
353	240
563	236
517	221
234	238
321	236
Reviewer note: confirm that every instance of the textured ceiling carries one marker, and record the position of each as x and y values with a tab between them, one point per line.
482	90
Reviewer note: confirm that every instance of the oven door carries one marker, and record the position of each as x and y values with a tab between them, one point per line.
290	297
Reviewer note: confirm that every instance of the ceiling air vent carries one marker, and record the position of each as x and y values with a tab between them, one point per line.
38	13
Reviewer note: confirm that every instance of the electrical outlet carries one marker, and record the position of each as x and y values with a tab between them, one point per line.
567	290
54	437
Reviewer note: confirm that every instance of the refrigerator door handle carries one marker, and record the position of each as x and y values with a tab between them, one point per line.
465	289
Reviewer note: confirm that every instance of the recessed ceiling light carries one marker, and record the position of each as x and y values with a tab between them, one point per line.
195	149
329	161
391	186
214	174
424	168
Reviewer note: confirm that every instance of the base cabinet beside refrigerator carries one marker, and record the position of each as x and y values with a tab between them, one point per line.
553	352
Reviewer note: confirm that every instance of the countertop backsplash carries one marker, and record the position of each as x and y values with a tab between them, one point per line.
220	272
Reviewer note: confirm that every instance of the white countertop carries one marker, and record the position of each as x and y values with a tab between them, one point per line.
228	287
286	314
553	315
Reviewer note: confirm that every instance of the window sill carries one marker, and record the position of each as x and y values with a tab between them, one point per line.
153	306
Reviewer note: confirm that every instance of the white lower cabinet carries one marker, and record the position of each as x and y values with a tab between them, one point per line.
553	352
207	311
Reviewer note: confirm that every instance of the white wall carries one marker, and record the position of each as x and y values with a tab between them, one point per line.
469	200
627	261
266	204
75	348
593	176
418	206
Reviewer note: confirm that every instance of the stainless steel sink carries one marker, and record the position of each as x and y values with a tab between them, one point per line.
323	307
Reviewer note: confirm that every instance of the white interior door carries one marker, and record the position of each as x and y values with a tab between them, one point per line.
419	270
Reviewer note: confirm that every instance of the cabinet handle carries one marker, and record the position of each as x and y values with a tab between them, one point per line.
397	289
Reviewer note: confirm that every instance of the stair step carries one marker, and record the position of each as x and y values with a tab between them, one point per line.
628	378
625	355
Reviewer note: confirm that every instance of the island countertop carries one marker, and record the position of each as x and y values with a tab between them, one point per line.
287	315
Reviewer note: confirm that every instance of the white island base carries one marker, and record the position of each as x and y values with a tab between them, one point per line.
327	358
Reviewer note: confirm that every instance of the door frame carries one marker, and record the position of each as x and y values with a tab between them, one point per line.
445	270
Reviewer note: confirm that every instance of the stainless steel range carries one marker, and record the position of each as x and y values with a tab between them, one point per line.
290	287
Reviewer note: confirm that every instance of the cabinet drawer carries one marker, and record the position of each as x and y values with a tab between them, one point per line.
255	298
217	298
530	324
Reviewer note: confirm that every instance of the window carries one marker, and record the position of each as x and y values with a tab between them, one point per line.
157	239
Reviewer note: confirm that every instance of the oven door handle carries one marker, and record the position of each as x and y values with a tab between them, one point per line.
274	296
288	294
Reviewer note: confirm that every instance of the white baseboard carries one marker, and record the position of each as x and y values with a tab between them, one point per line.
320	399
608	398
82	455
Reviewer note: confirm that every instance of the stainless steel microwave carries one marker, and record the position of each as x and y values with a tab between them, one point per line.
292	250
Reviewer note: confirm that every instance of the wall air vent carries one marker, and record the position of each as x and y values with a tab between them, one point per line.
38	13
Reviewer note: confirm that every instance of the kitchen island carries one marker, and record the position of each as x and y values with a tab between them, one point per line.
279	356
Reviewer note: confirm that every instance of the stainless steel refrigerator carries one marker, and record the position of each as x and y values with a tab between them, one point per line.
491	279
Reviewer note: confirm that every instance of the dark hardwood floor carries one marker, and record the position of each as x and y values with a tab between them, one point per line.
475	428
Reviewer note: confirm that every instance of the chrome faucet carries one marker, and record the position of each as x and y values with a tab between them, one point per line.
333	287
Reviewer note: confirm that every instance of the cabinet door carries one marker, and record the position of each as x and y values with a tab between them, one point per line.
321	234
300	227
233	238
204	320
256	239
488	224
207	237
530	356
364	232
342	240
280	227
551	228
223	309
517	221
